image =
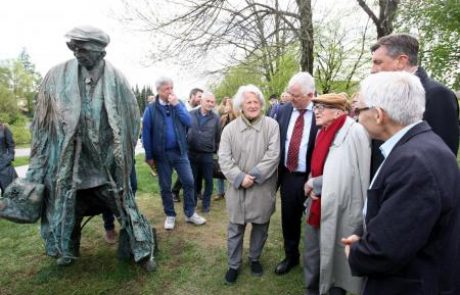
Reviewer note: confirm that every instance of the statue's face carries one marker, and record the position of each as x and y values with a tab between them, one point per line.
86	57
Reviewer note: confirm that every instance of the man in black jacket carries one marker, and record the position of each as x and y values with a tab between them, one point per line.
203	138
398	52
409	242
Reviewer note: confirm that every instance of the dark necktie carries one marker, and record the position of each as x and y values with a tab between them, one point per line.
294	145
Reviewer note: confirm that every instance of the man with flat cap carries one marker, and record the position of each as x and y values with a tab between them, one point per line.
84	133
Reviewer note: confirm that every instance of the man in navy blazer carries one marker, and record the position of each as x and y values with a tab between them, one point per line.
301	87
410	240
399	52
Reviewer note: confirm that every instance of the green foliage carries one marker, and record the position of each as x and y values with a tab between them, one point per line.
18	86
438	27
251	72
142	96
9	110
21	161
21	134
234	78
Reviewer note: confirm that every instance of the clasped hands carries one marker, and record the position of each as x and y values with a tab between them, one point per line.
248	181
308	189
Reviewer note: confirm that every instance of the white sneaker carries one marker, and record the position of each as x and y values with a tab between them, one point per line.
170	222
195	219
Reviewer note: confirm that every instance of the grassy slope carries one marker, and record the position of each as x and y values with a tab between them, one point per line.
192	260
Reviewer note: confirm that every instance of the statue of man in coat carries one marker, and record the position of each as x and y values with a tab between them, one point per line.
84	133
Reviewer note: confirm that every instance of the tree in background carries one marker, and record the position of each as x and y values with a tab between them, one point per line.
18	86
437	25
141	96
384	19
341	51
248	73
230	32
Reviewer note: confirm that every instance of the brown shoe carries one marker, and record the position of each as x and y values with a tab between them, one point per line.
110	236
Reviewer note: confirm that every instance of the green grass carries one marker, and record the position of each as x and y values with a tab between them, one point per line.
191	260
20	161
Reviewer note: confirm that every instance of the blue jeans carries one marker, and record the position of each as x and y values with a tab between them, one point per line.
220	187
202	164
180	163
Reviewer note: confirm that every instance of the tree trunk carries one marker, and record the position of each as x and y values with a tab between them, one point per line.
387	14
306	35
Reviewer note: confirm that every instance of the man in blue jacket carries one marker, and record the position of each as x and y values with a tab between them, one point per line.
165	125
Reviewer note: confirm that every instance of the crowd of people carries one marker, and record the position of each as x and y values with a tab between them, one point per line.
373	180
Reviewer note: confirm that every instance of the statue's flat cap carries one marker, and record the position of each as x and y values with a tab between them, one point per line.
89	34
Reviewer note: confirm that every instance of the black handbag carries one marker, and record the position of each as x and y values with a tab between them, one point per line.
216	171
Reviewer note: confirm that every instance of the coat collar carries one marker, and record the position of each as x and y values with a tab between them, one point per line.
414	131
242	126
421	73
343	132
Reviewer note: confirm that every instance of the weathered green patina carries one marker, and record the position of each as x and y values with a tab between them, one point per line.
66	142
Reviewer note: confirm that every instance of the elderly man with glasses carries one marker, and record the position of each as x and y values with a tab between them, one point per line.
408	242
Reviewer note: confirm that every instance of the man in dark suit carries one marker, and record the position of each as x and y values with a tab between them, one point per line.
409	243
297	136
398	52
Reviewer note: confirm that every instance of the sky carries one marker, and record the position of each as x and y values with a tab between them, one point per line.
40	26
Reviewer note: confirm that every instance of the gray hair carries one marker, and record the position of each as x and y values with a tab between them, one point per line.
305	82
398	44
239	96
162	81
207	94
400	94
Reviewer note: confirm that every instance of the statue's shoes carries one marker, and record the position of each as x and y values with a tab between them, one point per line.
64	261
149	264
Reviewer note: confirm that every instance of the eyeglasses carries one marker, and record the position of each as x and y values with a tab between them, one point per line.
359	110
320	107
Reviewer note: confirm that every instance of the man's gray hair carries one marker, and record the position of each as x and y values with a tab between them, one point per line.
207	94
397	44
305	81
162	81
400	94
239	96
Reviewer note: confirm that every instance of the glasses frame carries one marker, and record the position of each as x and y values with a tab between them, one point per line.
319	107
360	110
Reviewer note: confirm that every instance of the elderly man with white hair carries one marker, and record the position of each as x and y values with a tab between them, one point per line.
248	157
297	133
164	133
409	242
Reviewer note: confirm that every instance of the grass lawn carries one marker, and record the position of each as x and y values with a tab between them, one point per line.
20	161
191	260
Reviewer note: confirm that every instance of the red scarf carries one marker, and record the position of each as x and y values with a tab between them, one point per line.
319	156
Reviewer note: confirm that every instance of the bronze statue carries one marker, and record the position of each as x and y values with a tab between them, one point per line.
84	133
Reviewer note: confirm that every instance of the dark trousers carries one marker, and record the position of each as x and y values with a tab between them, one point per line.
292	209
107	215
91	202
202	165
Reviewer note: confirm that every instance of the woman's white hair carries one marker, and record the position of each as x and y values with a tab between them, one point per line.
239	96
400	94
305	82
